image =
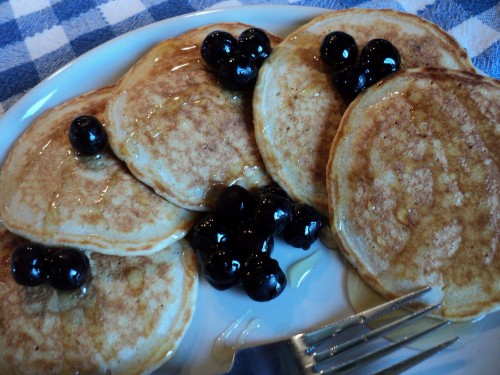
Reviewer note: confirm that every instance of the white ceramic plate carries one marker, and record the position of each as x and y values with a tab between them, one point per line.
319	299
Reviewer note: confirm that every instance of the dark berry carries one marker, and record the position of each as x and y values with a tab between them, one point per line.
273	212
87	135
207	234
28	264
338	49
237	73
218	46
351	80
234	205
250	239
222	269
68	269
255	44
263	279
304	228
269	189
381	58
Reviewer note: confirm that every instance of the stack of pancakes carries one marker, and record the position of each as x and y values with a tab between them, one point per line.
130	316
139	302
407	174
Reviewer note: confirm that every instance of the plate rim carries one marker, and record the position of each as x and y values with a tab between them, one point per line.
39	98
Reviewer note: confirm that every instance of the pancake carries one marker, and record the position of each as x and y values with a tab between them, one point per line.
51	195
130	318
178	130
297	110
414	188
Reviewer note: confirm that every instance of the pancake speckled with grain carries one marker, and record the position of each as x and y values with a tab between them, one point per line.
414	188
296	108
178	130
51	195
130	320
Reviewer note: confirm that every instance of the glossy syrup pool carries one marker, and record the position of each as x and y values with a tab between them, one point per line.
362	297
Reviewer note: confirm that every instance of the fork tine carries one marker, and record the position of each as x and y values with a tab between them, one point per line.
357	340
416	359
314	338
292	356
379	353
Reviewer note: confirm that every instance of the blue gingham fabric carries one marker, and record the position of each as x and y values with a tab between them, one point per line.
37	37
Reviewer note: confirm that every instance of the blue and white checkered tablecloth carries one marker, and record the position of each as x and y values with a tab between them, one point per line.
37	37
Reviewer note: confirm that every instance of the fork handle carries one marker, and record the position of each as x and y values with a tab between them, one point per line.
268	359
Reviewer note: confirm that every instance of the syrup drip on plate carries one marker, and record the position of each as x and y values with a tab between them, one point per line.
299	270
224	348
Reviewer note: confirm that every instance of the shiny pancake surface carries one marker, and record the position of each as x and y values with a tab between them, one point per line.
52	195
414	188
296	108
129	319
178	130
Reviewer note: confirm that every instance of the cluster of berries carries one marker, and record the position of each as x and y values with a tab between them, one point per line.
377	59
234	244
236	60
63	268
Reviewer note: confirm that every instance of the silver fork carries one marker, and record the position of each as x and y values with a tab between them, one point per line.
322	351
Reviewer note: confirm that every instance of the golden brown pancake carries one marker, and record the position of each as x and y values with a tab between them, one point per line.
130	318
296	108
178	130
52	195
414	188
